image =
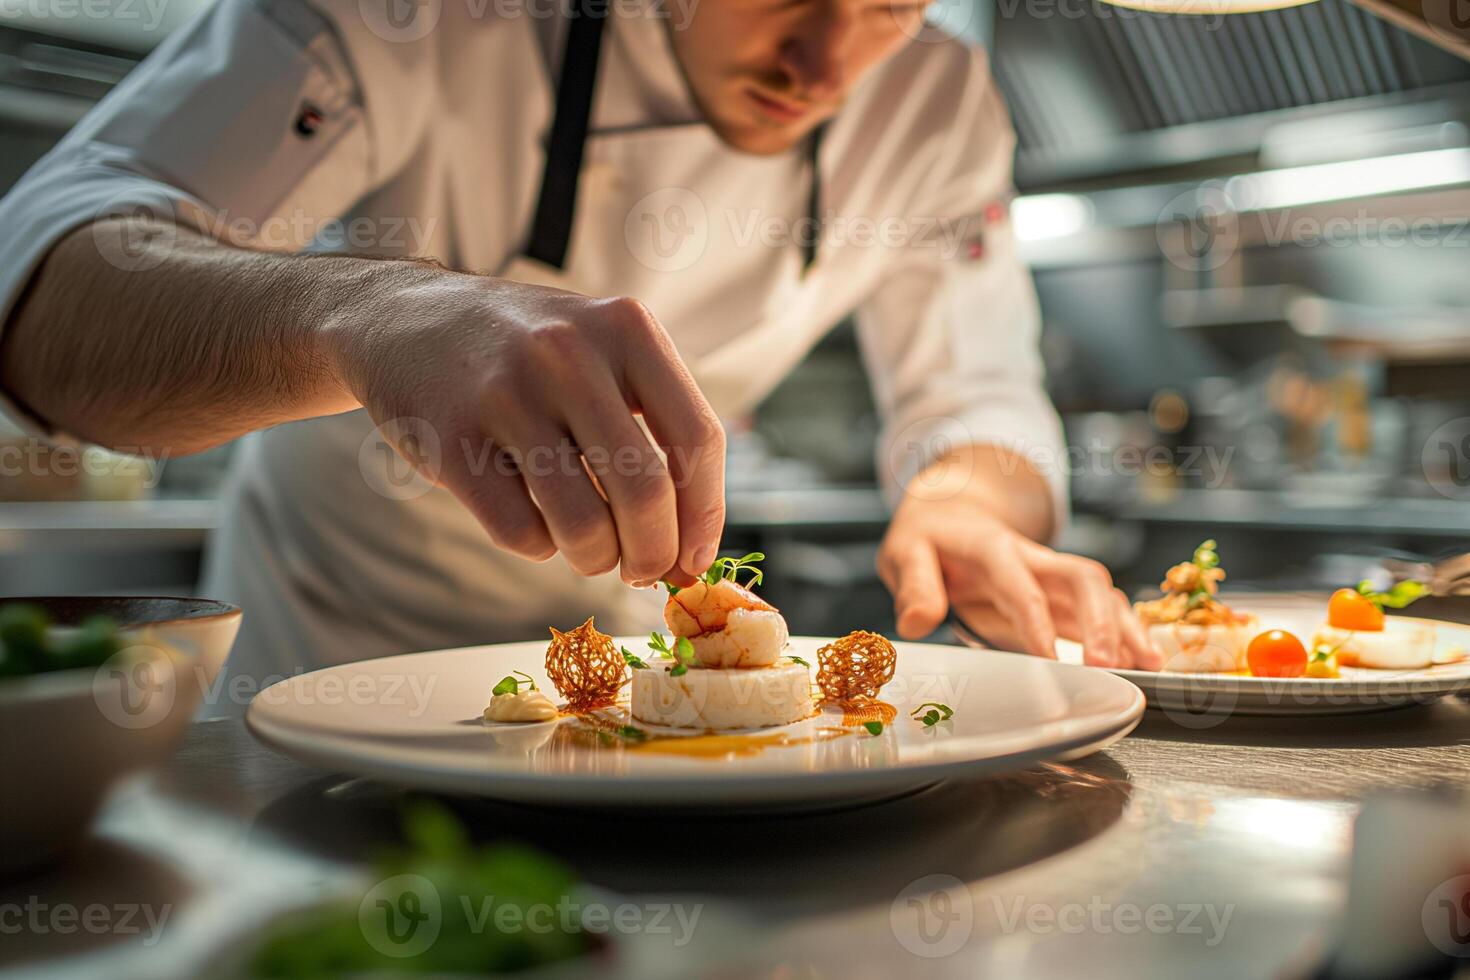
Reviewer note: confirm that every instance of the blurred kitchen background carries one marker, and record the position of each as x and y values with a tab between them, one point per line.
1251	237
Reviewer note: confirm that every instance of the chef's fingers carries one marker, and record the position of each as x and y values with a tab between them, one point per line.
1091	588
634	477
574	512
999	570
690	433
912	574
1135	638
501	503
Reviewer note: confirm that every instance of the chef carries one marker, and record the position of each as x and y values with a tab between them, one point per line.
504	266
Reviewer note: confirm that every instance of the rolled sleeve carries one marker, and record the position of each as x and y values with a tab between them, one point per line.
202	134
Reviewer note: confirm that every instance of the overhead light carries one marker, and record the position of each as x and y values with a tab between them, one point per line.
1350	179
1211	8
1041	216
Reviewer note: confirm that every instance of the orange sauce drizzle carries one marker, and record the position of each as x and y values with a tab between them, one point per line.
602	730
730	746
855	713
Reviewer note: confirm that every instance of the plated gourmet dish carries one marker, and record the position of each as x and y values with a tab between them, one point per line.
1199	633
1189	625
724	667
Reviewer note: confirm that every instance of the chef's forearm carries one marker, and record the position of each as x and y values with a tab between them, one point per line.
1001	481
178	344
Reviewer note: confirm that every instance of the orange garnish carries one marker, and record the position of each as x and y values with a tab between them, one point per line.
1351	610
855	667
585	666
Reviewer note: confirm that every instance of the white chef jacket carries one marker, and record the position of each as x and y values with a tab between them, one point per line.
279	124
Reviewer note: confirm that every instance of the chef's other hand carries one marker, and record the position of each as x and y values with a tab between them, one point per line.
949	549
533	393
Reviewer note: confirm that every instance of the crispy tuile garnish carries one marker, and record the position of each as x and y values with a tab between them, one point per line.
585	666
854	668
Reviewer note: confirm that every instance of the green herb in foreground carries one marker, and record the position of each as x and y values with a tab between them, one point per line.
467	886
873	727
632	659
797	659
30	645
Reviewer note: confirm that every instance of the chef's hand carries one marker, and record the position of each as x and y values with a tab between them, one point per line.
549	381
947	548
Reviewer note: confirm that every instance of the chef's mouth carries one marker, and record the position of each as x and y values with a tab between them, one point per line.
779	109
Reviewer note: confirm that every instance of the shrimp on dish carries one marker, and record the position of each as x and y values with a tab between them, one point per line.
727	624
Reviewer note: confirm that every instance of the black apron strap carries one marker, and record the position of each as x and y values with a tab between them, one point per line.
814	201
551	229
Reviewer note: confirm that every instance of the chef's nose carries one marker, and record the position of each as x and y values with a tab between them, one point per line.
815	55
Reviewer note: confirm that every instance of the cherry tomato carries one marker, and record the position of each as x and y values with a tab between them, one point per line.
1349	610
1276	653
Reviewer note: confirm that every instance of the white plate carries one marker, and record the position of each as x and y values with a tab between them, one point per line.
1200	700
415	720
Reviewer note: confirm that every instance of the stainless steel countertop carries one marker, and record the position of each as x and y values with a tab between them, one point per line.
1242	828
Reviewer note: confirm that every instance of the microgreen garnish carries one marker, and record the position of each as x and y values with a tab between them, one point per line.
797	659
1326	651
632	659
1397	597
937	712
873	727
1205	558
510	685
607	736
682	652
673	589
729	568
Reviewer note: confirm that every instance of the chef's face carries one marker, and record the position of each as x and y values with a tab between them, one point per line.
765	72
